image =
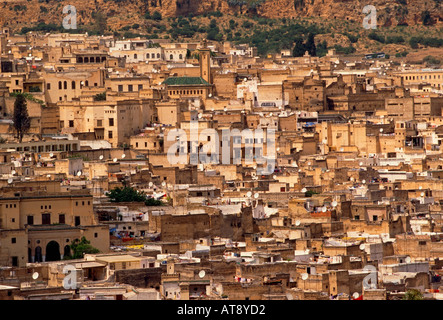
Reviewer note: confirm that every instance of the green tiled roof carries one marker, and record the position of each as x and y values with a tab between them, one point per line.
186	81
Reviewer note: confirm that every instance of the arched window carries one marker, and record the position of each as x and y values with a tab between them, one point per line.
158	55
59	85
135	56
180	56
171	57
86	60
65	85
73	85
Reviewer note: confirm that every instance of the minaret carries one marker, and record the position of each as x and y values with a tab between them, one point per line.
205	62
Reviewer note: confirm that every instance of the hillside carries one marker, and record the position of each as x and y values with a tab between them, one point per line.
121	12
270	25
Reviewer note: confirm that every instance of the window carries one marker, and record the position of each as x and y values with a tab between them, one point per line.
48	86
99	123
77	221
130	88
59	85
13	240
422	243
140	87
95	235
15	261
46	218
110	134
357	217
61	218
16	82
111	122
71	123
65	85
73	85
120	87
30	220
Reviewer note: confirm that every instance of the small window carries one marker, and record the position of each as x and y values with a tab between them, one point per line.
13	240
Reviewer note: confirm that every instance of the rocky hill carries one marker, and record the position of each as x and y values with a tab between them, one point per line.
119	13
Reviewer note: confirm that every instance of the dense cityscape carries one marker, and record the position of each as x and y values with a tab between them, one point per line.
152	169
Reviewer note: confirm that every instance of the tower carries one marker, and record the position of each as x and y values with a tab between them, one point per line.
205	63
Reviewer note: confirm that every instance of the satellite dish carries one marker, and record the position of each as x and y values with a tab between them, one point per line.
361	163
210	95
79	174
294	164
150	184
408	259
256	195
225	109
101	157
202	274
363	181
304	190
356	295
35	275
304	276
48	176
381	130
422	194
278	149
249	194
274	177
297	223
323	209
342	149
362	246
10	180
334	203
254	167
163	184
13	172
200	115
123	156
289	296
115	159
352	178
420	187
51	154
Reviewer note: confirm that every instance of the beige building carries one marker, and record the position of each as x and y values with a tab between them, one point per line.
39	227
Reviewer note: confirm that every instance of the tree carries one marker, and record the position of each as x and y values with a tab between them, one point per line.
310	45
426	18
156	16
22	123
413	294
126	194
81	247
